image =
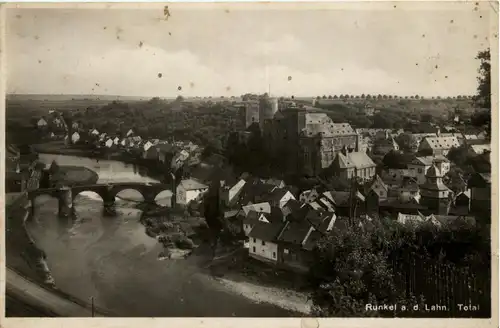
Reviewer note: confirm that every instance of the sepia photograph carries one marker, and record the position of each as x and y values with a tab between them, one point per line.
250	160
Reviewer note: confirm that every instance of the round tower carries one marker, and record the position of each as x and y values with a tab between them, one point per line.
433	193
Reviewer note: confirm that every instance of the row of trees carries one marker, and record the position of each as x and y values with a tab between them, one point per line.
380	96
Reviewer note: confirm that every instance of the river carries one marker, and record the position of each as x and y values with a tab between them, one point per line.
113	261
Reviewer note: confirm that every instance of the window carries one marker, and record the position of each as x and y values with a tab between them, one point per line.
254	240
263	243
253	249
285	251
419	170
274	255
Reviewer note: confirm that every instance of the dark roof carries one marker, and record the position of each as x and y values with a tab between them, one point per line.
294	232
341	198
251	218
266	231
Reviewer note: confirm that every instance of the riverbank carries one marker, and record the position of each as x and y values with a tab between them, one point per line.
22	254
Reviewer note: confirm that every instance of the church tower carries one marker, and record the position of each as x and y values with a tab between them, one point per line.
434	194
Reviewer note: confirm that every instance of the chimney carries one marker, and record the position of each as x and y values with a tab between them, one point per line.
356	149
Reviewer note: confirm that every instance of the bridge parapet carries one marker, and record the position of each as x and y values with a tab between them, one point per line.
108	192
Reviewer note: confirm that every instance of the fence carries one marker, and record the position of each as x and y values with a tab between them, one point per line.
445	285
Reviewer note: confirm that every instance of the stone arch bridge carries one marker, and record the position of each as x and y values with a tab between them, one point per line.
66	195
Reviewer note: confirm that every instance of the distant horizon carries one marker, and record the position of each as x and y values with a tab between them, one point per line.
227	96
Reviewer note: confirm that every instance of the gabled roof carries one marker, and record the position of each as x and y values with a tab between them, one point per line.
266	231
264	207
479	149
360	159
442	142
340	198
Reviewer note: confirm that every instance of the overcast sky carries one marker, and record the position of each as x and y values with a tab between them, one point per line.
232	51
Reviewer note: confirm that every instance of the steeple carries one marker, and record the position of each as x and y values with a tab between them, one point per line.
434	193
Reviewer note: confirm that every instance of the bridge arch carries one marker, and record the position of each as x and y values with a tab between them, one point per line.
164	198
128	194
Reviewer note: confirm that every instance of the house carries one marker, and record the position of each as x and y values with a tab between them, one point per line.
108	143
263	207
230	194
300	235
189	190
354	164
262	241
383	146
94	132
179	159
146	145
475	150
116	141
419	165
41	123
102	136
438	145
75	137
130	133
75	126
416	139
278	197
480	186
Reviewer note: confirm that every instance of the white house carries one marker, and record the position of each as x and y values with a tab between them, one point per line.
419	166
189	190
109	143
94	132
41	123
75	137
262	241
148	144
130	133
123	142
116	140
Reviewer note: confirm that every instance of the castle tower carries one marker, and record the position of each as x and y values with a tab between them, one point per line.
252	113
434	194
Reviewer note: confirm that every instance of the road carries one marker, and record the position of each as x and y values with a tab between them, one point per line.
28	292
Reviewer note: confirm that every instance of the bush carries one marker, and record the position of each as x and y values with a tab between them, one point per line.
184	243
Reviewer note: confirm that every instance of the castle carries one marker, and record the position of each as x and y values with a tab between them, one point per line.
302	139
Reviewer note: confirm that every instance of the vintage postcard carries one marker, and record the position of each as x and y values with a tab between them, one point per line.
250	160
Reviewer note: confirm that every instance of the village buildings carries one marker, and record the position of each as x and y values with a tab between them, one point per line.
189	190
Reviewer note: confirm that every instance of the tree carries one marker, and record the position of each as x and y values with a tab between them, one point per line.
318	97
349	270
324	97
395	160
335	97
363	96
330	97
483	96
417	97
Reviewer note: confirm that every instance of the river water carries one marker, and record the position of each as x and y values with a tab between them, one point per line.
113	261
